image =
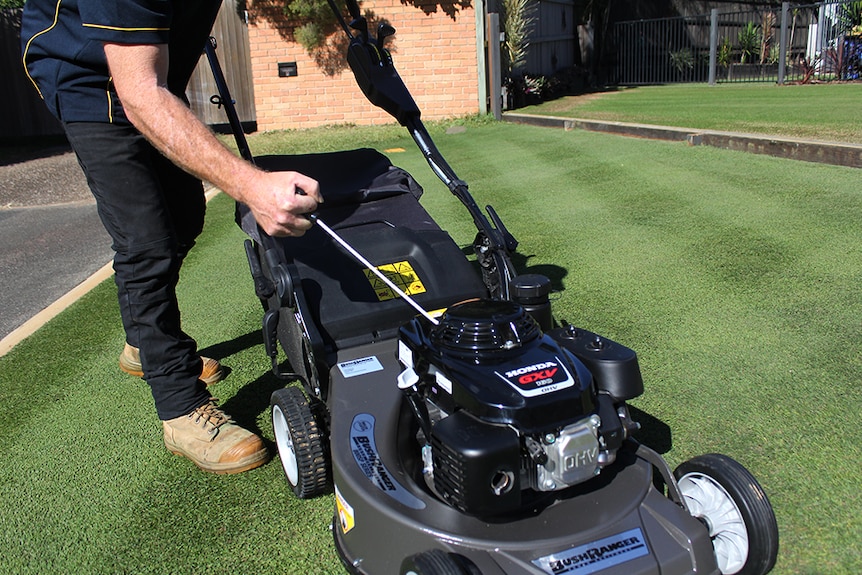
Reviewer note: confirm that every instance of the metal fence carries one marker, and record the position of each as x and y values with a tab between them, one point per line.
793	42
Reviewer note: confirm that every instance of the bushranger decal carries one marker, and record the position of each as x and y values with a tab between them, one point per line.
365	454
597	555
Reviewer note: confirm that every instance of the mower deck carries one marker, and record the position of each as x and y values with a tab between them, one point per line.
385	515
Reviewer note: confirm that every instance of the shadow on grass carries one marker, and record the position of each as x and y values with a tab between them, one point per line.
566	101
234	346
252	399
654	433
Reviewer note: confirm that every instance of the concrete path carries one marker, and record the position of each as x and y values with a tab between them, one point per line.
51	239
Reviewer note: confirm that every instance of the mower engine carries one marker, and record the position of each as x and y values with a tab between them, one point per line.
506	412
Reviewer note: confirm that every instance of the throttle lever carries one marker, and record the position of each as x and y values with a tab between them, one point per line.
360	24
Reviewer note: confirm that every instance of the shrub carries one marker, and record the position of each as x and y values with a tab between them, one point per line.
749	42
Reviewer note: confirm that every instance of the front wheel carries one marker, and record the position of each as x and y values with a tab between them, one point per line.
727	498
301	445
437	562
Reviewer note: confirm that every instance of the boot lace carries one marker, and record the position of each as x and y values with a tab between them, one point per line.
210	416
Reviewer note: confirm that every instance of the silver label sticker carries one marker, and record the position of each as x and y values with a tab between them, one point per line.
360	366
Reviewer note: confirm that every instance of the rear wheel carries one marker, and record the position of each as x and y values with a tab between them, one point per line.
727	498
301	445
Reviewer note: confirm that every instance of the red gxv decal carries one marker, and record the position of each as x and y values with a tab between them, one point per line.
536	376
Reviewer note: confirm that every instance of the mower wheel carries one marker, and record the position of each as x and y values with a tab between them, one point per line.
301	445
437	562
726	497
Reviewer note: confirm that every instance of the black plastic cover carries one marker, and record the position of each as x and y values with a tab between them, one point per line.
374	207
536	386
379	80
614	367
476	465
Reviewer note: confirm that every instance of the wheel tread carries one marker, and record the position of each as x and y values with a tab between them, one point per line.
308	442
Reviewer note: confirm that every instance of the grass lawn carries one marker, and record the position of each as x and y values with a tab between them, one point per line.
736	278
819	111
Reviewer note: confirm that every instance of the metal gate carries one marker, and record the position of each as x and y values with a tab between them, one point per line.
553	40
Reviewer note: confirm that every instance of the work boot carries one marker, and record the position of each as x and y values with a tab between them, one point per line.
210	438
130	362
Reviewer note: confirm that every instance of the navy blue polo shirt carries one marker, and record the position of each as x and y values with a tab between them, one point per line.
62	43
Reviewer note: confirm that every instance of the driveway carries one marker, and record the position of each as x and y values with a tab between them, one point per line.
51	238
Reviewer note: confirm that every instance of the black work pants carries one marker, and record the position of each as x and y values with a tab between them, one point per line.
153	212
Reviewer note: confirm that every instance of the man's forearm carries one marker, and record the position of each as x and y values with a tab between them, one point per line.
139	74
175	131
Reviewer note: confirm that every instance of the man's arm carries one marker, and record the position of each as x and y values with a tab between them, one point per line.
139	73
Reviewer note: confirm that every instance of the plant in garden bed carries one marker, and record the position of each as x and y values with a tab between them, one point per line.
767	46
683	61
725	53
525	90
529	89
808	67
516	20
749	42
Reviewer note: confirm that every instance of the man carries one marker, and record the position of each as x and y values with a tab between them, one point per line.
114	72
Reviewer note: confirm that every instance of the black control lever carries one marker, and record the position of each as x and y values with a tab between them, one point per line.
360	25
384	30
508	239
353	9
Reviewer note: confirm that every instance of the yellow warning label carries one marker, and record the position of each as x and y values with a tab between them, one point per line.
399	273
346	516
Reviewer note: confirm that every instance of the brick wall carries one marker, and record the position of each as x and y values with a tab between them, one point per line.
434	54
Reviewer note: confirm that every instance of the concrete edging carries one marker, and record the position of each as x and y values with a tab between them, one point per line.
835	153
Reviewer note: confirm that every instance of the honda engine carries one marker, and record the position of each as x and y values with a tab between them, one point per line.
505	411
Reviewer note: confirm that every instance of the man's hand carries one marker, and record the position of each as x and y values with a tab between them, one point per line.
280	201
139	74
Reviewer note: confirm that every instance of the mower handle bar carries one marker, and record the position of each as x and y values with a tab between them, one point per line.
223	99
376	76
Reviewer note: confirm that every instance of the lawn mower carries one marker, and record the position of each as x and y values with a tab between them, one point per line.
463	428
